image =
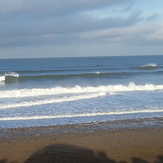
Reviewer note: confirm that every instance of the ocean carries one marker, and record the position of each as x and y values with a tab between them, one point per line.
58	91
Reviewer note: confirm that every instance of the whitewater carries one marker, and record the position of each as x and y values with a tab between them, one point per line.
41	92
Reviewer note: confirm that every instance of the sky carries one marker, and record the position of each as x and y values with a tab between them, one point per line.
76	28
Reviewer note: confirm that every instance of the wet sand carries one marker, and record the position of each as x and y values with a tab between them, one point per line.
65	144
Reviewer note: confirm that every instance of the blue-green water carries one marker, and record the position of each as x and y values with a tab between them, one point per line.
50	91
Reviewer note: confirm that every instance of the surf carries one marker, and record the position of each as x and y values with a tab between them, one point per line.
78	89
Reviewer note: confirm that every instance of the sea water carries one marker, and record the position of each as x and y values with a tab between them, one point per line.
54	91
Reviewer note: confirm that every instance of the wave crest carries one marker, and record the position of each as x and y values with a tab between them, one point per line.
11	77
150	66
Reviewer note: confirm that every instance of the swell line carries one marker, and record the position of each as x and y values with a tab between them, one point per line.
75	75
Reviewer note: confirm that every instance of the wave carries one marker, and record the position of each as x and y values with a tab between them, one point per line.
78	89
14	77
150	66
11	77
80	115
103	73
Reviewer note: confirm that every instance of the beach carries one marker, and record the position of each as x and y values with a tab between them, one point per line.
81	144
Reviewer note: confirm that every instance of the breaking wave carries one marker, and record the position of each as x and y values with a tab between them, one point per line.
78	89
2	78
151	66
11	77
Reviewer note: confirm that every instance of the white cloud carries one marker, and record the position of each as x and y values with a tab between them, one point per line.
156	35
139	34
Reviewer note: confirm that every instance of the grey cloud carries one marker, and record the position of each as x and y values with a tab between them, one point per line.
128	8
59	30
153	17
58	22
41	8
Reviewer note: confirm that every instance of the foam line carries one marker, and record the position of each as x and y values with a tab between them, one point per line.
52	101
80	115
78	89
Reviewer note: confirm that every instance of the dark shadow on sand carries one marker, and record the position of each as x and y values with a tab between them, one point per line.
62	153
5	161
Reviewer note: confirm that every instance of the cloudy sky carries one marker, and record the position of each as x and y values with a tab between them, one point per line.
63	28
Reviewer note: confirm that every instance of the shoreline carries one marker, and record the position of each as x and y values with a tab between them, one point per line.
139	123
96	142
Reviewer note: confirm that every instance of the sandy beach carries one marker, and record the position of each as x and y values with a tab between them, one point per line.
62	145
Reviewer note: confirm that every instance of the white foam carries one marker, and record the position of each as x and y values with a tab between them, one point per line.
2	78
78	89
51	101
150	65
12	74
80	115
